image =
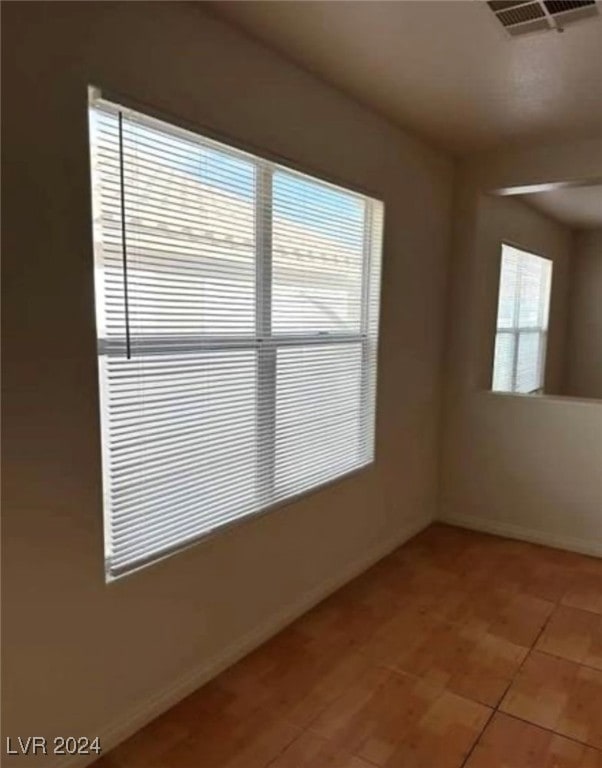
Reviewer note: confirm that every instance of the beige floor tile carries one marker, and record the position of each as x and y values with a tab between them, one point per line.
585	589
575	635
396	669
560	695
465	660
311	751
510	743
396	719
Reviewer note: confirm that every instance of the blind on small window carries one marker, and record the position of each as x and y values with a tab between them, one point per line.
237	312
522	322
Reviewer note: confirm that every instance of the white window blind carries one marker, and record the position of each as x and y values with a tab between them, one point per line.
522	322
237	312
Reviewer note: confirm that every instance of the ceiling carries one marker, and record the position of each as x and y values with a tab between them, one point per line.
579	207
445	69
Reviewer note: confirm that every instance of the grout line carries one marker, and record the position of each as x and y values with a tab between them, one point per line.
272	760
550	730
478	739
577	608
570	661
522	664
554	655
496	709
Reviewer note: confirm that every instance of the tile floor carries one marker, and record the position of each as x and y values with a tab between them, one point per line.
459	650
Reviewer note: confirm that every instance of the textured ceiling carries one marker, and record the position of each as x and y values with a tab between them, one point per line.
444	69
580	207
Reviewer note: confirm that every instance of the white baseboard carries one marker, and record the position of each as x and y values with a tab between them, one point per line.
128	723
511	531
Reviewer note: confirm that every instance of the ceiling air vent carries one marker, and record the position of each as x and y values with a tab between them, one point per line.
519	17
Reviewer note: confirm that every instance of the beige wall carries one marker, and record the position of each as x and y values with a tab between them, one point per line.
81	657
524	466
583	359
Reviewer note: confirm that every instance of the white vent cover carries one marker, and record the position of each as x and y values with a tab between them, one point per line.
519	17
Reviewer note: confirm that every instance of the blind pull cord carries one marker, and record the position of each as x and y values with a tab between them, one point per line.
124	251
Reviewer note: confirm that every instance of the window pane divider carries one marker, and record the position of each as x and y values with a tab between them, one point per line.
266	353
159	346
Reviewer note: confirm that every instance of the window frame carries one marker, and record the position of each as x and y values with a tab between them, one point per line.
542	330
263	342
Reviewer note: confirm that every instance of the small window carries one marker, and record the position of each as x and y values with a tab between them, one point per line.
522	322
237	312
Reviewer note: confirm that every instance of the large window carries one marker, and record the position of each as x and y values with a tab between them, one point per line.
522	322
237	315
